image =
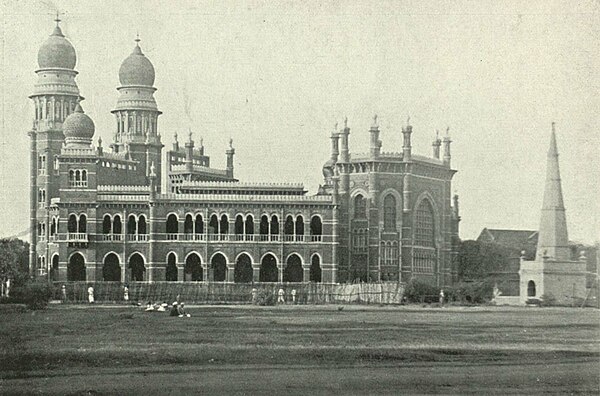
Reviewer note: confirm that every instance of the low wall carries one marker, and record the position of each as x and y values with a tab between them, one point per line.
229	293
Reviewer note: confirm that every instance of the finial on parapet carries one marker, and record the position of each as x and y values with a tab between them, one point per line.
375	124
448	132
190	134
57	20
553	126
99	141
345	122
230	142
335	127
175	136
137	38
201	142
437	134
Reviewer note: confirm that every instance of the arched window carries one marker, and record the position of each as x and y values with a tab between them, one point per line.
424	225
389	213
142	229
293	270
171	272
299	225
106	224
199	225
239	225
117	225
315	269
288	228
213	225
531	289
224	224
264	225
193	268
53	227
137	267
268	269
249	225
131	225
219	267
172	225
274	225
360	207
72	223
111	269
243	269
316	226
82	228
188	225
76	268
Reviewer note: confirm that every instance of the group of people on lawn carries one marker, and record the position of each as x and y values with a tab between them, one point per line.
177	308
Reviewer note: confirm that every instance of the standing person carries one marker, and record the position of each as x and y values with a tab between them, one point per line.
441	296
294	296
280	299
63	292
91	294
126	293
254	294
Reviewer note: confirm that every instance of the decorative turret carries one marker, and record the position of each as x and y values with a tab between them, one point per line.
375	146
406	146
344	152
230	152
55	92
189	154
553	241
447	142
335	144
175	143
78	129
137	114
436	145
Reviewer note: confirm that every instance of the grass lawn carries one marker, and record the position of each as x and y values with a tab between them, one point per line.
300	350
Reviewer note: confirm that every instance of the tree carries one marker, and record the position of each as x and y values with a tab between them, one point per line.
14	261
478	260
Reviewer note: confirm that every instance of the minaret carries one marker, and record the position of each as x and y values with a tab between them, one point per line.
406	145
436	145
447	141
375	143
553	241
55	96
137	114
189	154
230	152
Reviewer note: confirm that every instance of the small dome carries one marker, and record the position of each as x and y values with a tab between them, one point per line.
57	51
136	69
78	125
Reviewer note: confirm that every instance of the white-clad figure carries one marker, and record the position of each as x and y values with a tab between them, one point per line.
126	293
293	296
254	295
91	294
441	296
63	292
280	298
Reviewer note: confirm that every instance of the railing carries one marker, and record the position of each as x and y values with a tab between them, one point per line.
137	237
78	183
288	238
77	237
316	238
192	237
112	237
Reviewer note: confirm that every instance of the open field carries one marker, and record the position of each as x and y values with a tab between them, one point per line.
300	350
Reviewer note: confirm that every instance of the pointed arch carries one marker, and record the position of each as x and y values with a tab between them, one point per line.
172	223
315	274
76	267
171	270
218	263
193	267
293	271
111	267
137	265
243	272
268	268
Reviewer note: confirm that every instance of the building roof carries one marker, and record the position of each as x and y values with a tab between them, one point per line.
136	69
509	238
57	52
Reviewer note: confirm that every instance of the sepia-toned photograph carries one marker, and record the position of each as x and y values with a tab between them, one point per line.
299	197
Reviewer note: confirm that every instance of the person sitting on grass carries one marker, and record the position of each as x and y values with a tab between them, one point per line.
181	311
162	307
149	307
174	309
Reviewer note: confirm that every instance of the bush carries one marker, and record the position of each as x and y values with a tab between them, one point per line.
533	301
265	297
35	294
421	292
470	292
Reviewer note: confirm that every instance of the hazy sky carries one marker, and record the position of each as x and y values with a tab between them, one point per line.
276	78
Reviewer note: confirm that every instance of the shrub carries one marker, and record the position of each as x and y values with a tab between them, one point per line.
533	301
470	292
35	294
420	291
265	297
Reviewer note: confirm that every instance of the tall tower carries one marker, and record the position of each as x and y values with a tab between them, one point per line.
55	96
553	240
137	114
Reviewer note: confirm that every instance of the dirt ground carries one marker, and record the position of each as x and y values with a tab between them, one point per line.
301	350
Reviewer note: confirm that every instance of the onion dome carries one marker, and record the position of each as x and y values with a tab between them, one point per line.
78	127
136	69
57	52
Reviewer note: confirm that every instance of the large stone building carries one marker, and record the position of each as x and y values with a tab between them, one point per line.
107	215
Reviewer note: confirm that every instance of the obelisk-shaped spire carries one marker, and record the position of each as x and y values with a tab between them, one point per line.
553	241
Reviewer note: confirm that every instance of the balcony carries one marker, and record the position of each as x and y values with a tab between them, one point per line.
137	237
192	237
78	183
112	237
77	237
